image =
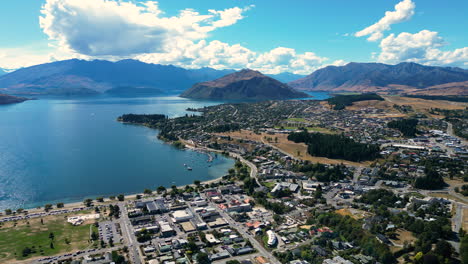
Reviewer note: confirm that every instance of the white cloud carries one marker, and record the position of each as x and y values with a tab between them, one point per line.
220	55
404	10
109	29
19	57
422	47
119	28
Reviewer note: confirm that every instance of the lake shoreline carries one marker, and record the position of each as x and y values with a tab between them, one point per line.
132	196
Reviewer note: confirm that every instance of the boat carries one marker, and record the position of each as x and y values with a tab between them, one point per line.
189	168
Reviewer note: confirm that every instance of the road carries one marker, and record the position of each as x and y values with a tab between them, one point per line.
129	236
252	240
74	255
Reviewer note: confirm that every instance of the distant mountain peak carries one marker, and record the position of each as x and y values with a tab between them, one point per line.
76	76
244	84
378	77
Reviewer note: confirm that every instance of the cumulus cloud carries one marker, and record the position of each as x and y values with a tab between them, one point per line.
109	29
220	55
404	10
119	28
422	47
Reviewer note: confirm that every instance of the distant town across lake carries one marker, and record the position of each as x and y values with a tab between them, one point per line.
67	149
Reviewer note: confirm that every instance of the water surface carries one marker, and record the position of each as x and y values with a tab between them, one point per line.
64	150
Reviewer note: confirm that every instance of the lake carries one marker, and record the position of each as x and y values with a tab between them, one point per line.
64	150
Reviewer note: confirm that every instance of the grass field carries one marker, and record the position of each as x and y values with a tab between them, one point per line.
403	235
354	213
67	238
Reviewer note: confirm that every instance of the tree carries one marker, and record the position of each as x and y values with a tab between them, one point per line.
444	249
88	202
100	199
52	245
318	192
147	192
26	251
461	232
121	197
8	211
94	236
197	183
47	207
60	205
161	189
202	258
51	236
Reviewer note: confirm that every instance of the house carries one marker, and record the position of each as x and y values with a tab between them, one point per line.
337	260
221	255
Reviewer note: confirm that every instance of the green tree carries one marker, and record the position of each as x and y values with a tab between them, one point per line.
121	197
161	189
88	202
94	236
60	205
147	192
202	258
47	207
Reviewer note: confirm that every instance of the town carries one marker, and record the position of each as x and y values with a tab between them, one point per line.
380	181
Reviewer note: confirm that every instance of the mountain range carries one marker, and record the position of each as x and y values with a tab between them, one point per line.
98	76
75	76
377	77
241	85
72	77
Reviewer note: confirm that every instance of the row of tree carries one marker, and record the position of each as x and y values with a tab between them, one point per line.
341	101
335	146
406	126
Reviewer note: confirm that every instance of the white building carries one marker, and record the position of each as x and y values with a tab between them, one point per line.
182	216
272	240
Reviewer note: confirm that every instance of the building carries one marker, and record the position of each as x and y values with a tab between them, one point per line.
181	216
188	227
156	207
166	229
272	240
337	260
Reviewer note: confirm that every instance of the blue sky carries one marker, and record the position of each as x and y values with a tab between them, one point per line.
269	35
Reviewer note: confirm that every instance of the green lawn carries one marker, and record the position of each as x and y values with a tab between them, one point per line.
36	236
269	185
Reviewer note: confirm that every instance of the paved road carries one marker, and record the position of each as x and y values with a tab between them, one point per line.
129	236
69	255
252	240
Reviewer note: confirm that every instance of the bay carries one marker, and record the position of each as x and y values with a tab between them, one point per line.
65	150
